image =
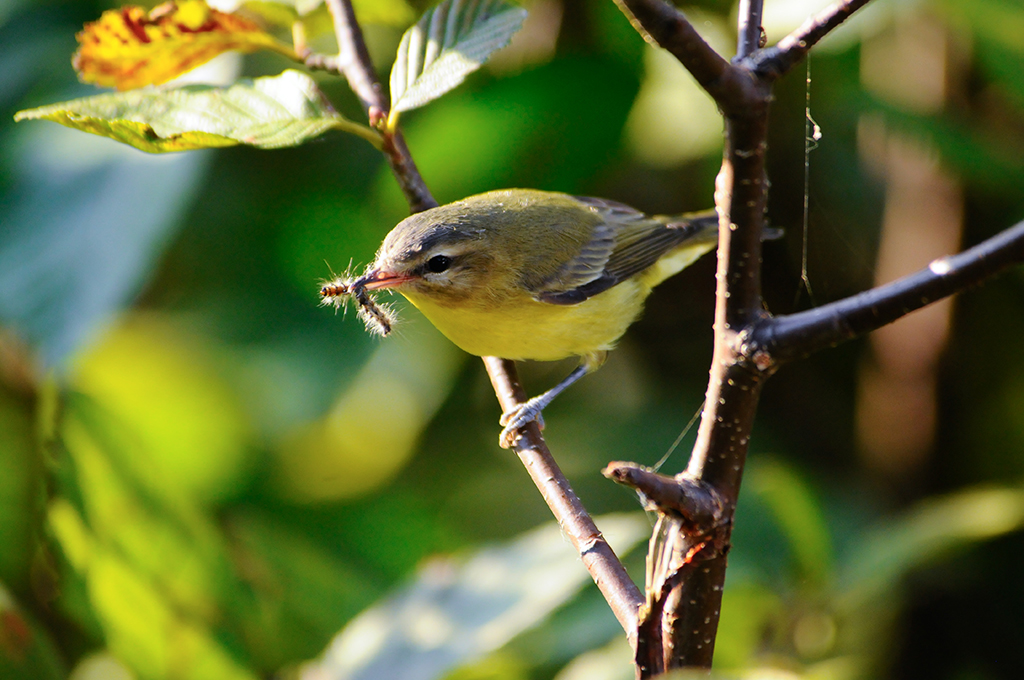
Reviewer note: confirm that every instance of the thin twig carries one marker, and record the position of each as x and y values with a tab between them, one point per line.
353	57
749	28
773	62
354	62
618	588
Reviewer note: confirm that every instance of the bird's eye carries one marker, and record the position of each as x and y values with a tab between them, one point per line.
439	263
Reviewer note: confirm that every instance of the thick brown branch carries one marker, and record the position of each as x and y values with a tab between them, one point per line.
789	337
611	578
775	61
686	589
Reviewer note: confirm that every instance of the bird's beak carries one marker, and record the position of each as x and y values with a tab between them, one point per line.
376	279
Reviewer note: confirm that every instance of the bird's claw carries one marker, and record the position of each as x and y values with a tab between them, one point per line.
513	420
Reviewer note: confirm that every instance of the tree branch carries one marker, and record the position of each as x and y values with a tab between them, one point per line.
793	336
695	503
353	57
354	63
773	62
685	586
611	578
749	28
679	623
663	25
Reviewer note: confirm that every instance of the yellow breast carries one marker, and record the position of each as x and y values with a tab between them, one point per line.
527	329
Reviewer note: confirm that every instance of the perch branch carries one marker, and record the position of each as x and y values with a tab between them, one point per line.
611	578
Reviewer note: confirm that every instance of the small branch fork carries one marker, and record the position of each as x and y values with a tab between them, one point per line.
675	625
687	558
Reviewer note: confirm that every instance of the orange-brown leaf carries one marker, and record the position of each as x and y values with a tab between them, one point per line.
127	48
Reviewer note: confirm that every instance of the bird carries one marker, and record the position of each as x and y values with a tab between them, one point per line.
525	274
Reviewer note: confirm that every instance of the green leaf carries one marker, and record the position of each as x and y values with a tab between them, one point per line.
456	611
269	113
118	211
448	43
791	500
934	529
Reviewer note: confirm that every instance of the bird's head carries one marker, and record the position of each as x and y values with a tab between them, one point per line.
435	254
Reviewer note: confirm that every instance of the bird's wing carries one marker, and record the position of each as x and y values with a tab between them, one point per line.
637	241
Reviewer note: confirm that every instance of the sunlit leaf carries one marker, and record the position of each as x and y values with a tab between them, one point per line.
448	43
185	561
128	48
280	111
154	572
458	610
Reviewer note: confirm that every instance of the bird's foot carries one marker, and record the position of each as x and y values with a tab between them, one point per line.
527	412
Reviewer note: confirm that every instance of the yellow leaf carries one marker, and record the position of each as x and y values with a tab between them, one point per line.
127	48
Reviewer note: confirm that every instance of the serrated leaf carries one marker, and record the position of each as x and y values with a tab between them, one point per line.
269	113
448	43
128	48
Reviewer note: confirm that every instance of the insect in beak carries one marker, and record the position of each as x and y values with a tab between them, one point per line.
379	319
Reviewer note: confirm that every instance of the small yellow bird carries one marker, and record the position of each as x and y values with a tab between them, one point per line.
527	274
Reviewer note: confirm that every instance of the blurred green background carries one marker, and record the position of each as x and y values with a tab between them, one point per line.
203	474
